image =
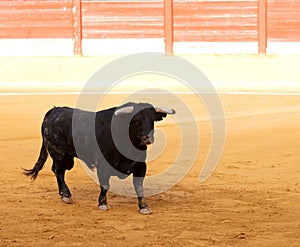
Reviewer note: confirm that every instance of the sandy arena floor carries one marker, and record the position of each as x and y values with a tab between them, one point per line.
252	198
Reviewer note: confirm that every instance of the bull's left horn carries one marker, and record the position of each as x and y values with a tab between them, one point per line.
164	110
124	110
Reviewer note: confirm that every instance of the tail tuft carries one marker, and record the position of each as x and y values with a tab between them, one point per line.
38	165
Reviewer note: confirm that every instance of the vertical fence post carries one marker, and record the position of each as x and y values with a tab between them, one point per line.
77	27
168	22
262	26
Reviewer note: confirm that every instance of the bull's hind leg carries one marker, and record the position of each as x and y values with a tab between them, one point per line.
59	168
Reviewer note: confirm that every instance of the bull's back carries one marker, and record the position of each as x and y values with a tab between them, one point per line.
65	128
57	119
57	129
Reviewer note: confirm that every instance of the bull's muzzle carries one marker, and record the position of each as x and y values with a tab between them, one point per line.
147	140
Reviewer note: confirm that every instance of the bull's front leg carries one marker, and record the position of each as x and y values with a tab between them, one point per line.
102	201
103	178
138	180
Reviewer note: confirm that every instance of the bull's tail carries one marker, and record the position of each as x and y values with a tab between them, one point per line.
38	165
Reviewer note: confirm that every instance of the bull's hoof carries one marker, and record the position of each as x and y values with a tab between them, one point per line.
146	210
104	207
66	199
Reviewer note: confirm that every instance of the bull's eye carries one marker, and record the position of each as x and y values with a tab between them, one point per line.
136	123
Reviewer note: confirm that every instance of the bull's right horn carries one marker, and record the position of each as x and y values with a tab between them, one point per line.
124	110
164	110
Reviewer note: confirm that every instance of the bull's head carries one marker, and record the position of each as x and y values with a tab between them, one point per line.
142	117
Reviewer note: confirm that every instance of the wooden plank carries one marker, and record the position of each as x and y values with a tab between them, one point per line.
168	17
77	27
262	26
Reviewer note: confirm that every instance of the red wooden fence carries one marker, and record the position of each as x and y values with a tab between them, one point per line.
259	21
122	19
283	20
36	19
217	21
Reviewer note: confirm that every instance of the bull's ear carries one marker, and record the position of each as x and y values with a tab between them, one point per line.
159	116
124	110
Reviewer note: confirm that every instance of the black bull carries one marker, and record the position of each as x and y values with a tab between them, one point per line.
114	141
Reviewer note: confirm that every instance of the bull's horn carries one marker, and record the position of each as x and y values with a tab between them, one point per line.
124	110
164	110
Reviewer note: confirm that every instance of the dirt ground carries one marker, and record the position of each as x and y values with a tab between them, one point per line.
252	198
